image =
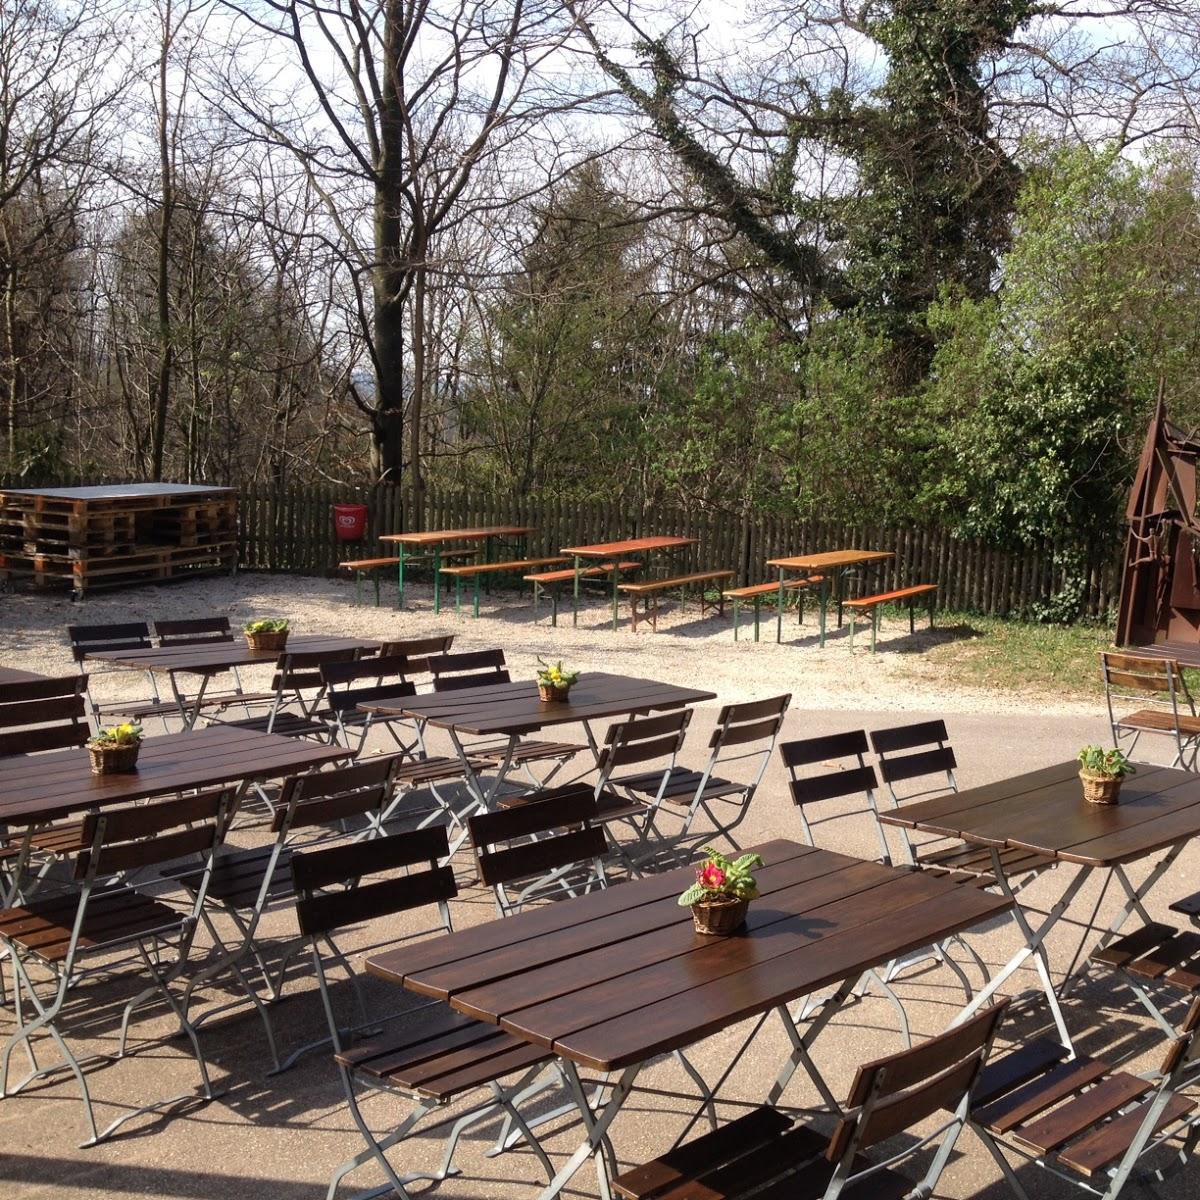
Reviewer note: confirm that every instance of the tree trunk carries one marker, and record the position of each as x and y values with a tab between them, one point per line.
162	383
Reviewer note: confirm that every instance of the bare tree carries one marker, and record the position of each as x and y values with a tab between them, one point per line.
409	100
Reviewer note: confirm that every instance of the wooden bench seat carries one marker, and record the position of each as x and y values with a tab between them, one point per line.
476	571
372	567
649	590
550	580
757	592
873	605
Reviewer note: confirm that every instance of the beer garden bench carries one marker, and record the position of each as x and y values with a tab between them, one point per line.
372	567
649	590
873	604
550	581
755	592
477	571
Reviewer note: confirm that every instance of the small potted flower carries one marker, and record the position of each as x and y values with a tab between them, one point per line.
1101	772
115	750
721	895
267	633
554	682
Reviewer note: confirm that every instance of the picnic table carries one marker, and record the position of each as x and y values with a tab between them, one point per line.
432	542
831	565
513	710
1186	654
616	551
613	979
1044	813
208	659
35	788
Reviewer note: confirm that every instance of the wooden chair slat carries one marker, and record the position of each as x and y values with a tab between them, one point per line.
832	785
330	911
908	737
318	869
818	749
546	854
897	769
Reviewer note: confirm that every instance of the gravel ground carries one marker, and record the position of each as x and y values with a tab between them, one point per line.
281	1136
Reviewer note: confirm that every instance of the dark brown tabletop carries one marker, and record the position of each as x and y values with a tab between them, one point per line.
1044	812
551	975
12	675
213	657
42	787
630	546
515	708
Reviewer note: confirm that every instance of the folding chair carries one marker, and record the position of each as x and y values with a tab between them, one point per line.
486	668
126	635
627	798
549	848
765	1155
348	685
63	937
916	762
35	716
209	631
744	733
449	1056
418	651
297	681
1087	1123
545	848
1158	962
1166	707
848	774
246	884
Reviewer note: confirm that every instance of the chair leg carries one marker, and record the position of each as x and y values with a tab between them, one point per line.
875	616
737	604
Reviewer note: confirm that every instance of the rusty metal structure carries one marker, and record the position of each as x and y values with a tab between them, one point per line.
1160	585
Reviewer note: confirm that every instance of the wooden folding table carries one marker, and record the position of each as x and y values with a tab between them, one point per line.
616	551
214	658
613	979
1044	812
831	564
432	540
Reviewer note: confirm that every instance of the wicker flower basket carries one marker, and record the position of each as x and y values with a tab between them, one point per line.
267	641
549	694
720	916
1101	789
114	760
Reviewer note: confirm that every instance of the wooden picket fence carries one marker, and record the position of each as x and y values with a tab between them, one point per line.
292	530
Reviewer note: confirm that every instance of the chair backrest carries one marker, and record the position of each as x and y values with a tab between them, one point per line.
364	680
418	651
322	913
43	714
362	789
915	761
640	739
900	1091
301	671
846	773
476	668
147	835
543	864
99	639
1156	681
197	631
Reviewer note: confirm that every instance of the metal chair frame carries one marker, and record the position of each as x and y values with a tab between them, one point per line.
308	803
858	778
1157	682
117	842
1179	1070
98	638
320	915
345	692
744	732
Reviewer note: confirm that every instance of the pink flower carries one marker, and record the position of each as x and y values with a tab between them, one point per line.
712	877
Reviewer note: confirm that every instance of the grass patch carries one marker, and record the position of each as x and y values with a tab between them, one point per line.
1021	657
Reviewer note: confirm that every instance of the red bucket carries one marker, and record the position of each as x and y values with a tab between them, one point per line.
350	522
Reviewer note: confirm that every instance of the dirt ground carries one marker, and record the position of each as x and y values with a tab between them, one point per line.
281	1136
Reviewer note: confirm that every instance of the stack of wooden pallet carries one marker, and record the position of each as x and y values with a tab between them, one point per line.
92	537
